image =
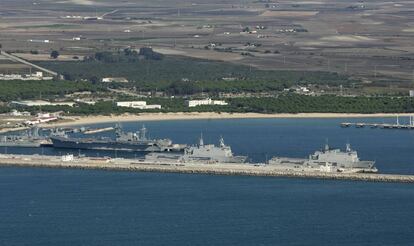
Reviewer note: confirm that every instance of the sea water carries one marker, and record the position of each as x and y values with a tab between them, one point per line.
40	206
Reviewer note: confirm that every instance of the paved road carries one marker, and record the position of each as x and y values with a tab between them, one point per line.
18	59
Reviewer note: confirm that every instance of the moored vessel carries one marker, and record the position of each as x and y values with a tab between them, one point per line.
326	160
200	153
124	141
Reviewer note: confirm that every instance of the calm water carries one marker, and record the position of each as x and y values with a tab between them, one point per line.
87	207
84	207
260	139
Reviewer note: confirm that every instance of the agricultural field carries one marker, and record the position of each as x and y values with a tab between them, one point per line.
368	41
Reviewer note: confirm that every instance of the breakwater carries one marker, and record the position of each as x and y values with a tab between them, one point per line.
191	168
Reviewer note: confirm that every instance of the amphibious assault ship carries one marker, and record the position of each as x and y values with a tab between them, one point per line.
326	160
124	141
200	153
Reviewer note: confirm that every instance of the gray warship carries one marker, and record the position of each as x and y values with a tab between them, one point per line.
27	139
200	153
124	141
326	160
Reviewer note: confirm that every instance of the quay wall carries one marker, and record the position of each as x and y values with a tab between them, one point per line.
210	169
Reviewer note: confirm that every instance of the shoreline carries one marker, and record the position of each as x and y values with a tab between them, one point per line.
87	120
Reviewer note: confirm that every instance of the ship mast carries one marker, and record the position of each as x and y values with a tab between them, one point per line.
222	142
143	132
201	141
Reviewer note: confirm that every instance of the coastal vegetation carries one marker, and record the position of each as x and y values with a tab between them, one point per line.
150	71
287	103
14	90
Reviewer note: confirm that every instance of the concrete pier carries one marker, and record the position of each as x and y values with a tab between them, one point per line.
190	168
396	125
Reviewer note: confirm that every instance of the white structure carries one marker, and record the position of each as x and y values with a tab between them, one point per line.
14	112
208	101
114	80
35	76
89	102
411	93
68	158
138	105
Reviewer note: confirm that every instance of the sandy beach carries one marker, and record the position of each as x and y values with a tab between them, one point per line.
86	120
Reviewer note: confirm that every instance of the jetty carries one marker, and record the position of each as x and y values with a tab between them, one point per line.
98	130
396	125
262	170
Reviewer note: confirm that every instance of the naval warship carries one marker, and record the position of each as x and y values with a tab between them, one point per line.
200	153
124	141
27	139
326	160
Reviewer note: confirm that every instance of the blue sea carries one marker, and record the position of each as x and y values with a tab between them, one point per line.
95	207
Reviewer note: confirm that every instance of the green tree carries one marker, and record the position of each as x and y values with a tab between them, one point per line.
54	54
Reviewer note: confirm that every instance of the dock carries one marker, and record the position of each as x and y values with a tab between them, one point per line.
377	125
98	130
137	165
396	125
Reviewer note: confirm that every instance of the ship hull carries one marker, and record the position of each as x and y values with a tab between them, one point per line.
21	145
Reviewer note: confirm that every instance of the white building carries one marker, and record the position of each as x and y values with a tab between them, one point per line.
138	105
34	76
208	101
114	80
411	93
14	112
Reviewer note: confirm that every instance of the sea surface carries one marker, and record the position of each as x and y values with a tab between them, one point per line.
106	208
40	206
